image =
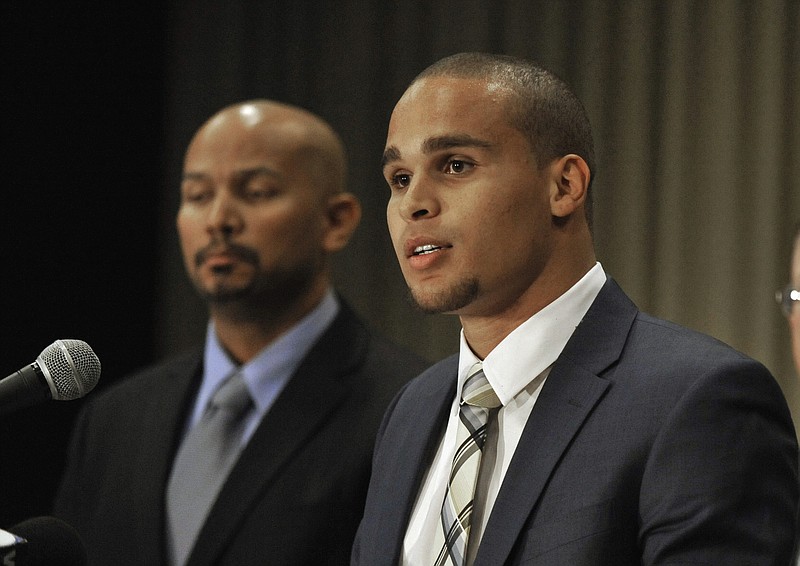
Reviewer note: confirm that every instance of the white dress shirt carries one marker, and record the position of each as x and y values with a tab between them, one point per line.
516	368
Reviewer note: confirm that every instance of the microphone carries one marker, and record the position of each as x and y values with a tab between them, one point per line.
65	370
44	541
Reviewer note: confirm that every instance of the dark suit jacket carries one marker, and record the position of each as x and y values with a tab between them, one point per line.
296	495
649	444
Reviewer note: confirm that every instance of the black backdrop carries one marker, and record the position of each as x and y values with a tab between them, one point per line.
81	126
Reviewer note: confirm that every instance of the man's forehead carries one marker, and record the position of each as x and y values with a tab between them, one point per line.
440	112
446	103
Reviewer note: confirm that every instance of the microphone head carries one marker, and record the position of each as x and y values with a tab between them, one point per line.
70	367
50	542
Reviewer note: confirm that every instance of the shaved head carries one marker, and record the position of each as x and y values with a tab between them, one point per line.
306	136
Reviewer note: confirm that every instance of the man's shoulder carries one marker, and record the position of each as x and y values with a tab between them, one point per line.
385	367
149	379
677	340
658	337
375	350
382	348
435	380
675	358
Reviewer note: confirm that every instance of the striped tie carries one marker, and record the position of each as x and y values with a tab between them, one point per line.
478	399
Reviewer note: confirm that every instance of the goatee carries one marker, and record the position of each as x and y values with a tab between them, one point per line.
448	300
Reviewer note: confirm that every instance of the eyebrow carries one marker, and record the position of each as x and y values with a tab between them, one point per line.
241	173
434	144
390	154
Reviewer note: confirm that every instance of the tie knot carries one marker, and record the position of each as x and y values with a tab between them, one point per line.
477	390
233	395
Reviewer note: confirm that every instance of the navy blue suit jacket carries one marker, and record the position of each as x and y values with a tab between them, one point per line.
295	496
649	444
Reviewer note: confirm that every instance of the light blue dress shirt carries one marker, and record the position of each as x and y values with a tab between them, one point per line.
268	373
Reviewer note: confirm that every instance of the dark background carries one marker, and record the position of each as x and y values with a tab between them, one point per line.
695	106
82	122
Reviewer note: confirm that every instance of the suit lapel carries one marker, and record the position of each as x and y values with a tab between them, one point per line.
572	390
319	385
161	426
414	443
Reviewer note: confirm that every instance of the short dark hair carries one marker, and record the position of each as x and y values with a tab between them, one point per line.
541	106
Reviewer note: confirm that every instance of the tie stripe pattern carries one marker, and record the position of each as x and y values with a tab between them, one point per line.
478	399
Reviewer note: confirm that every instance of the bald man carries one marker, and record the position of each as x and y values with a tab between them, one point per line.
263	208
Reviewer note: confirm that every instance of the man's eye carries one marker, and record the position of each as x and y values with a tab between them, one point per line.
457	166
257	192
400	180
196	196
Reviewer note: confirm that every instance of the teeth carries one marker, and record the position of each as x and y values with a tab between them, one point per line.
426	249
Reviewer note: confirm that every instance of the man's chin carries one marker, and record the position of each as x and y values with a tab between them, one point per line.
224	294
445	301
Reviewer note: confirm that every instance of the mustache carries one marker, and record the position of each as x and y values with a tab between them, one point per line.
242	252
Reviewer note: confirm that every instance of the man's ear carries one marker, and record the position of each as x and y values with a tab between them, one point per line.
343	213
571	178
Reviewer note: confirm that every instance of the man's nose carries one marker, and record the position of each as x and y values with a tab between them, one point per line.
420	199
224	216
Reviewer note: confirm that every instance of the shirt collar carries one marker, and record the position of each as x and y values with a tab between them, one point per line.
535	344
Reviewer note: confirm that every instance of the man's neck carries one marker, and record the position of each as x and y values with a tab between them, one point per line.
485	331
244	331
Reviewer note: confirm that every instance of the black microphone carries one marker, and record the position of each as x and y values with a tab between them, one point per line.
65	370
44	541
